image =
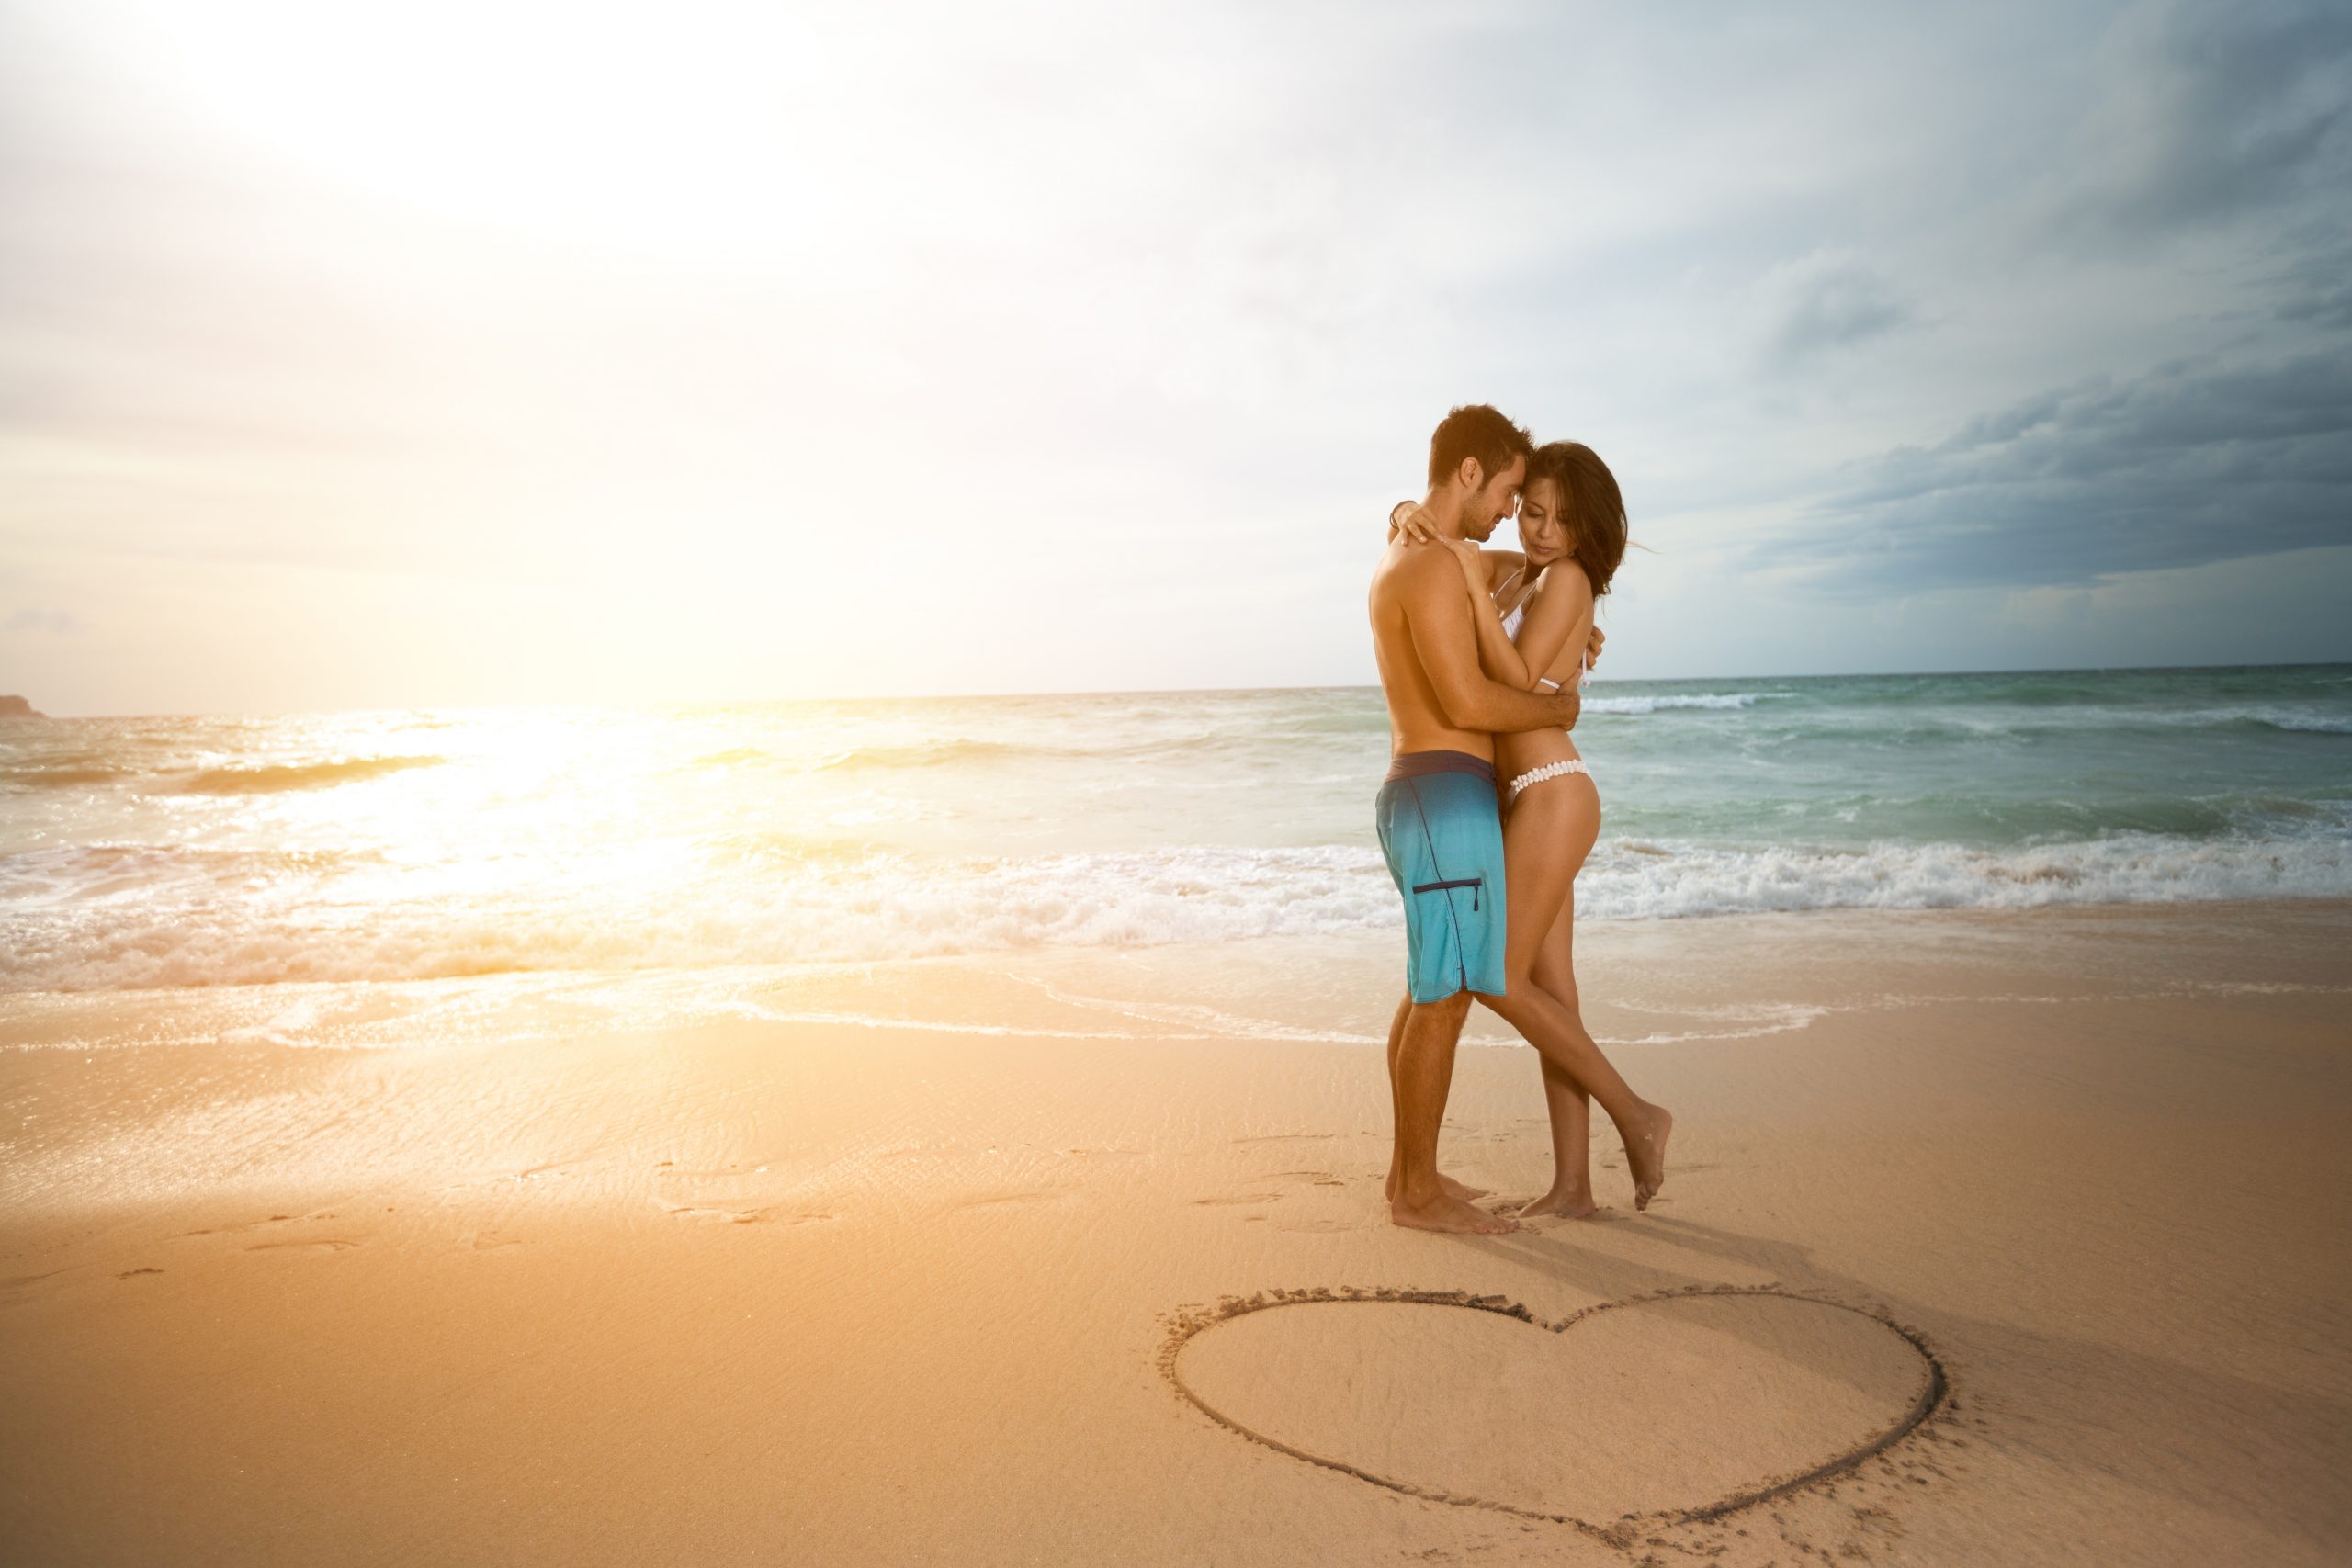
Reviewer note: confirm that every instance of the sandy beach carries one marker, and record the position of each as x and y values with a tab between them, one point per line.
2041	1214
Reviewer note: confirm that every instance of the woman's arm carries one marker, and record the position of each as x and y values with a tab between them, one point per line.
1559	617
1408	518
1497	656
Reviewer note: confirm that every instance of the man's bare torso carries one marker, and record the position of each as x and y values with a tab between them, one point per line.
1417	719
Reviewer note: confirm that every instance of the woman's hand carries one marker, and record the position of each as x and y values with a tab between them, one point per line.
1473	562
1592	647
1412	520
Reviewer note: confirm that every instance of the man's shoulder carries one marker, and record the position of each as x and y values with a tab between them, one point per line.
1413	558
1406	568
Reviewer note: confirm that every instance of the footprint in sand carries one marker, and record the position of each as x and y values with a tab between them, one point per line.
1239	1198
22	1280
228	1230
668	1170
767	1214
324	1243
720	1213
1023	1195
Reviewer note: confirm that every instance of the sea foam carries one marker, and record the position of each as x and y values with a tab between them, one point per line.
159	851
892	906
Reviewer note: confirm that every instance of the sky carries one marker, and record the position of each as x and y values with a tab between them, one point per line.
453	354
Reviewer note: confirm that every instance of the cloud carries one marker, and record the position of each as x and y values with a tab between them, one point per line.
2204	113
945	288
2318	286
1826	300
61	622
2182	466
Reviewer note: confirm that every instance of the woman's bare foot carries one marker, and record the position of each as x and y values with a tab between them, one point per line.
1646	1153
1563	1202
1446	1185
1444	1213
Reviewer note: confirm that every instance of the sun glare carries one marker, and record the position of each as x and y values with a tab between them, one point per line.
575	122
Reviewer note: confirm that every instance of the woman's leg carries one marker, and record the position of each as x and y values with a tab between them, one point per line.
1564	1100
1549	830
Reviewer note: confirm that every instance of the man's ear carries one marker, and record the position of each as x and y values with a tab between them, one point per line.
1472	474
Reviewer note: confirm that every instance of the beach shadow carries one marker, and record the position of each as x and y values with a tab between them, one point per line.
2217	1446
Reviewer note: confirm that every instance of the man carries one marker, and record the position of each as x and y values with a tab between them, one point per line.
1439	826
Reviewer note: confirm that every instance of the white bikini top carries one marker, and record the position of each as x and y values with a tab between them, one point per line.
1517	615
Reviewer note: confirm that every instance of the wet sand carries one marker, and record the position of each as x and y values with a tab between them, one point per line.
1990	1239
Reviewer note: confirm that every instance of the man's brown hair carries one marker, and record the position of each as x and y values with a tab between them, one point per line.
1476	430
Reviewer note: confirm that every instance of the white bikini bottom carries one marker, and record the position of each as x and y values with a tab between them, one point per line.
1548	770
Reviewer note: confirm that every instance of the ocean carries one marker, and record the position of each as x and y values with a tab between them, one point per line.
140	853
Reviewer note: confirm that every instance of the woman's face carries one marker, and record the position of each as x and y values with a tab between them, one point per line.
1546	531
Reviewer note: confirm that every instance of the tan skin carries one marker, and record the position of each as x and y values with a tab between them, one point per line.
1547	834
1425	640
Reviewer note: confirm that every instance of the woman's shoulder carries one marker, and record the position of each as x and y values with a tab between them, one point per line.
1565	577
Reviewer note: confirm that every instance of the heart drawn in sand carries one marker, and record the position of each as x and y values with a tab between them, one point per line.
1680	1405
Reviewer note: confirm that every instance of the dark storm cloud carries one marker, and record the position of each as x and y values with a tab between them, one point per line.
2319	288
2203	123
2206	112
1832	302
2184	466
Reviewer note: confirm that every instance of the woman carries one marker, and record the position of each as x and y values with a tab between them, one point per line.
1534	610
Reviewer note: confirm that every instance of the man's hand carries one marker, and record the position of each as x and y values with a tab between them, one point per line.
1575	706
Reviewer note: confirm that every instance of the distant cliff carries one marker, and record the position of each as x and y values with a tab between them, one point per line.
17	707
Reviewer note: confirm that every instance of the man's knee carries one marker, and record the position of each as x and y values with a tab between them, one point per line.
1444	1011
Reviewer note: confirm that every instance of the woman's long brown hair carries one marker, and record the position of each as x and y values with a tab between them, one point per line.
1595	511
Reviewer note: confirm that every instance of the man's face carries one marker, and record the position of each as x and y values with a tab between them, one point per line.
1494	501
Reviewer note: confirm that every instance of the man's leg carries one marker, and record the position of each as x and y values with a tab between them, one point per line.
1424	1074
1452	1188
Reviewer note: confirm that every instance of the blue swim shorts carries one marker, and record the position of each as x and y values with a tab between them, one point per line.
1443	838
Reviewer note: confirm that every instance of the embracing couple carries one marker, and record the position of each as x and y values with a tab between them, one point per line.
1487	812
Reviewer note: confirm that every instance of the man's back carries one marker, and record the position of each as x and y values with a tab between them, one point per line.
1417	603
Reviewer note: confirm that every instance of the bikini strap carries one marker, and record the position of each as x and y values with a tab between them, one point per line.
1507	582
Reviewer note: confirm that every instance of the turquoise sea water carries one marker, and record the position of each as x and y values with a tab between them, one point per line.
140	853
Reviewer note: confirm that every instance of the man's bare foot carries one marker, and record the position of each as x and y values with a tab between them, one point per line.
1646	1153
1446	1185
1565	1202
1443	1213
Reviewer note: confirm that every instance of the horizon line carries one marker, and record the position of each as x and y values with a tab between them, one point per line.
1170	691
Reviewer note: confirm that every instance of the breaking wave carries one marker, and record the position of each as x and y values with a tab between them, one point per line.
72	926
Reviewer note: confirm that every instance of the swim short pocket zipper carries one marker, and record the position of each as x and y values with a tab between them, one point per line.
1477	886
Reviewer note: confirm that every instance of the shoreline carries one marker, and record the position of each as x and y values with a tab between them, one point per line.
44	1019
758	1290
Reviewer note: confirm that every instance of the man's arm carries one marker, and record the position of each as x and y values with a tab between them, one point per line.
1437	615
